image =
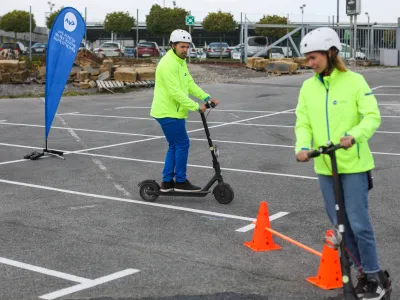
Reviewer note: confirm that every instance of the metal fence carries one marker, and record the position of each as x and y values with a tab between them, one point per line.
365	44
368	41
39	35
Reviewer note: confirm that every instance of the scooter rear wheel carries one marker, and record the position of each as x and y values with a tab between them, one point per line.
223	193
149	186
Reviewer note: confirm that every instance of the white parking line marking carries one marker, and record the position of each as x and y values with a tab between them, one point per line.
203	167
214	109
172	207
82	129
214	126
132	118
271	218
388	104
71	113
43	270
114	145
81	207
86	285
12	161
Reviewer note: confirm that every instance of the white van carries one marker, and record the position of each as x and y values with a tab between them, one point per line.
256	44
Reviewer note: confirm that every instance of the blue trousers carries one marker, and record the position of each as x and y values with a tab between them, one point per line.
178	150
359	235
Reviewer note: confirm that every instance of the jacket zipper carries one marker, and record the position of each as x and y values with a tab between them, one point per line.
177	108
327	115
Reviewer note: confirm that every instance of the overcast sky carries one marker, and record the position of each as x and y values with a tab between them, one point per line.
386	11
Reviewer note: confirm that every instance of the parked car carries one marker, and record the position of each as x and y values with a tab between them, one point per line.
237	52
276	52
82	46
346	53
111	49
129	52
256	44
214	50
192	51
39	48
147	49
18	46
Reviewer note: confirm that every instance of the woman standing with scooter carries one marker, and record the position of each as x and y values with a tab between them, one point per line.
338	106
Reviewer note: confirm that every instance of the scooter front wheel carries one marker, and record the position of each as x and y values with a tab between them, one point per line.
149	190
223	193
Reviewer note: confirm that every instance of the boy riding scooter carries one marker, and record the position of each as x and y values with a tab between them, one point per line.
170	107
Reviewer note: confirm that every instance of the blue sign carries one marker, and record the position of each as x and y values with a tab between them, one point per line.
64	40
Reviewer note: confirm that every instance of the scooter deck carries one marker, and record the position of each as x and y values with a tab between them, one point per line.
184	194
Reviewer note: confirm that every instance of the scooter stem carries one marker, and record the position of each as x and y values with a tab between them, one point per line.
210	143
348	288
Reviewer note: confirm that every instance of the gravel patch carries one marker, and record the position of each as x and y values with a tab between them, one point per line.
201	74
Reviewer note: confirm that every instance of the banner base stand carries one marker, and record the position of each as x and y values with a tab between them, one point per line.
36	155
59	154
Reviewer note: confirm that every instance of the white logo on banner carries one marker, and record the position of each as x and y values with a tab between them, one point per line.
70	22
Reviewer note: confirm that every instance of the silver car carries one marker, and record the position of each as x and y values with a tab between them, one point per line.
214	50
111	49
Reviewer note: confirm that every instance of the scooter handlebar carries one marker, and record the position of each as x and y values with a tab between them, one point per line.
326	150
210	104
313	154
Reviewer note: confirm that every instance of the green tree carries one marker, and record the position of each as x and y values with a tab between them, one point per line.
272	32
51	18
16	21
219	22
118	22
163	20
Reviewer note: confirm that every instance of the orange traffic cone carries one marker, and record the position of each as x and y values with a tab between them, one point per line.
329	272
262	238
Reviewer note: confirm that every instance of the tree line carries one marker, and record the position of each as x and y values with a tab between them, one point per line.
160	21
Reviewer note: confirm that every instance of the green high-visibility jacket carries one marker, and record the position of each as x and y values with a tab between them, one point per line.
173	86
332	107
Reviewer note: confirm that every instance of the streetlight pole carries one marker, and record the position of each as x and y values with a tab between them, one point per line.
369	33
302	22
51	5
337	13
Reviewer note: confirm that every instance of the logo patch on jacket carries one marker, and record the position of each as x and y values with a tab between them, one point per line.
335	102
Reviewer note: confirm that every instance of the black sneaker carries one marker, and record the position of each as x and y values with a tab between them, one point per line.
376	287
186	187
167	186
361	286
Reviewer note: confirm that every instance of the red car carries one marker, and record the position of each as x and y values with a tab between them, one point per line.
147	49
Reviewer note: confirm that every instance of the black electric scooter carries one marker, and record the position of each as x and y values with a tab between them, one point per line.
223	192
338	239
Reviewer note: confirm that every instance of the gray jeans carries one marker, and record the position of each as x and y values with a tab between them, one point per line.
359	235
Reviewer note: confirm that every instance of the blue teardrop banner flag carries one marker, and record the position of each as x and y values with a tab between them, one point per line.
65	37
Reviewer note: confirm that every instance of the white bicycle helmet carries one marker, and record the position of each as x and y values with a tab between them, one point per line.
320	39
180	35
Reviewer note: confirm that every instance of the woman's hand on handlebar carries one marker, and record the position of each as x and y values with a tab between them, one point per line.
202	108
347	141
302	156
215	101
211	103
